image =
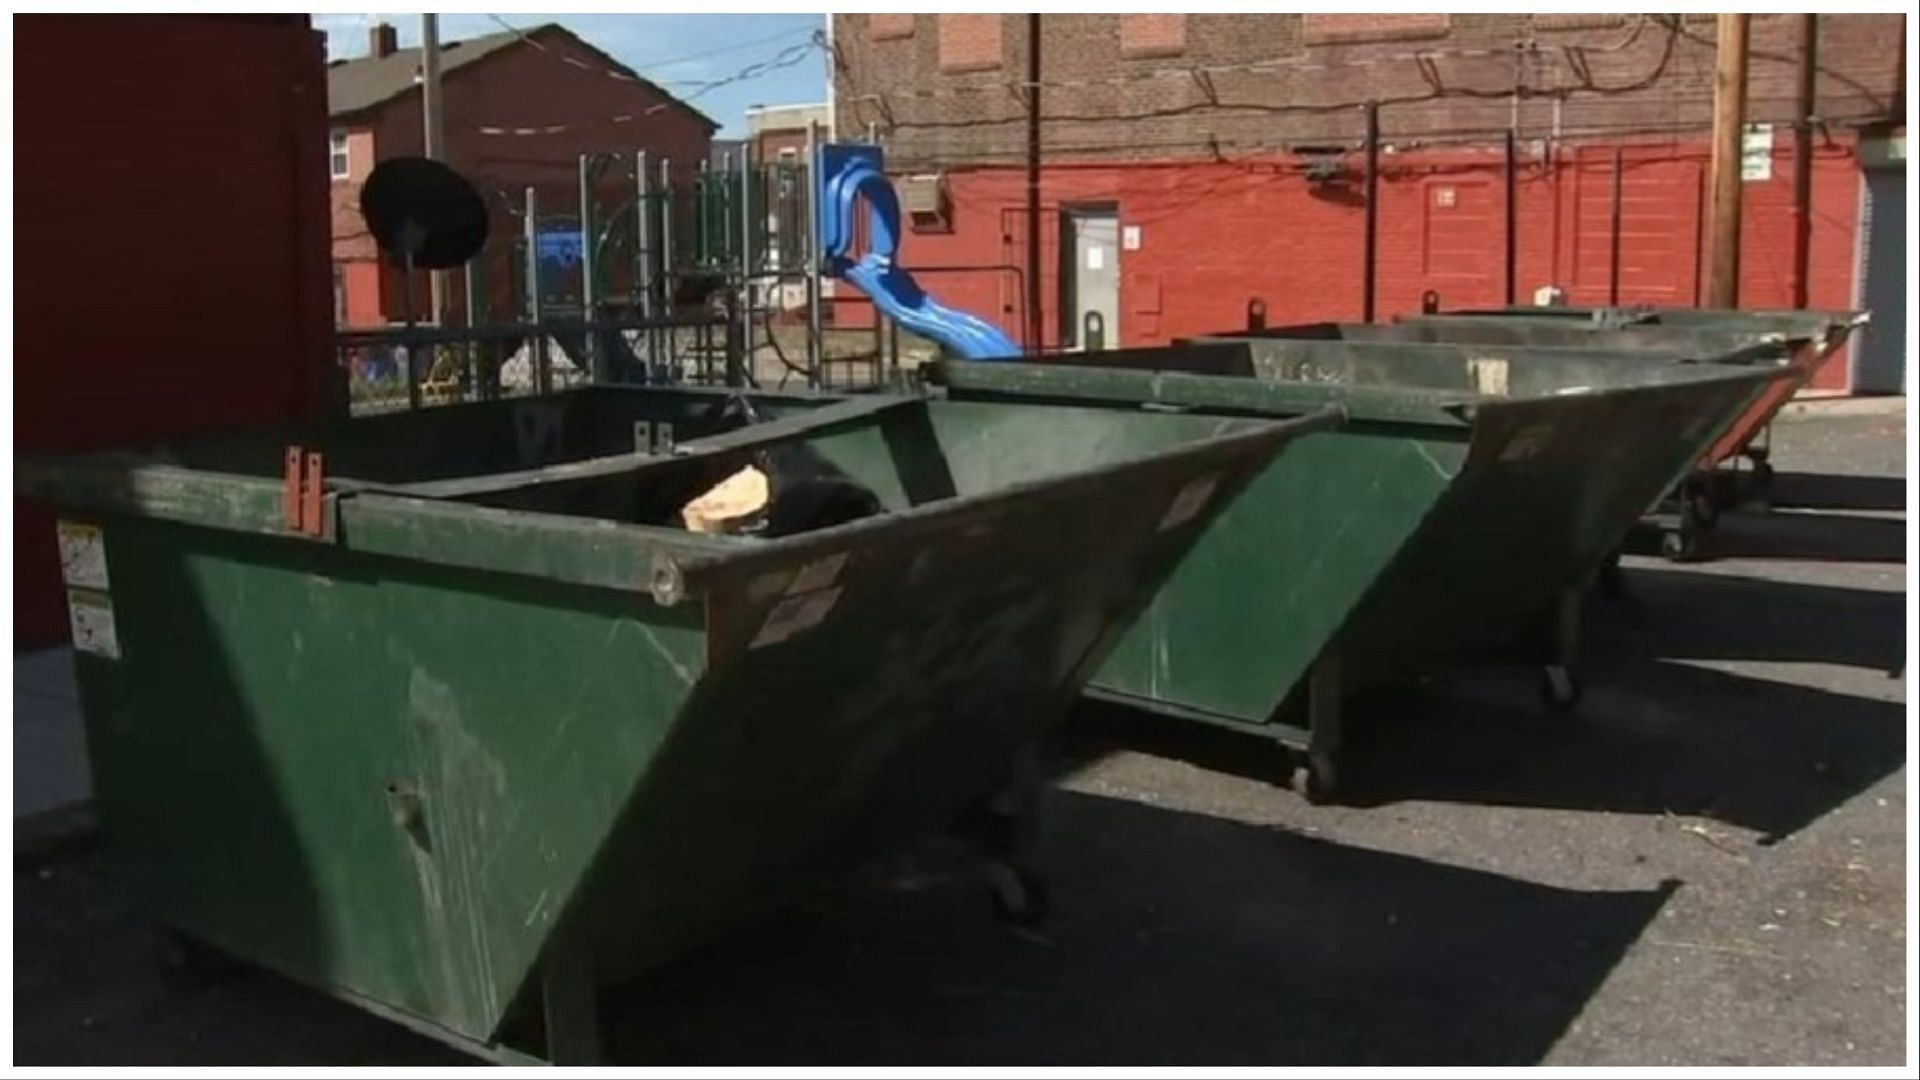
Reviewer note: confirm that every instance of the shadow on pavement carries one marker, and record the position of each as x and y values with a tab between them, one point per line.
1679	614
1837	491
1653	734
1176	938
1809	535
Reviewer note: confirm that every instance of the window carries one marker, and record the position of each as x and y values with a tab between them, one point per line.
969	42
1153	35
1331	29
339	162
889	27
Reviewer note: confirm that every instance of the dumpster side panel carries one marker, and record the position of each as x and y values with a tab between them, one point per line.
1550	486
1271	582
369	774
882	687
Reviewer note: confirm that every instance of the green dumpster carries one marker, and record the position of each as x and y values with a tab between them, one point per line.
1810	338
462	746
1440	526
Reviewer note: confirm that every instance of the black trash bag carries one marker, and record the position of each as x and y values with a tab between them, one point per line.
805	491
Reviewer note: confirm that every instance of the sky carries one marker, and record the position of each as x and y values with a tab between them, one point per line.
680	52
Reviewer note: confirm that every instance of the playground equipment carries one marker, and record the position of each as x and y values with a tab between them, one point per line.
846	173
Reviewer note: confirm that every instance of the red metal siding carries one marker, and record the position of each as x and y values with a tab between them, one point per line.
171	240
1213	236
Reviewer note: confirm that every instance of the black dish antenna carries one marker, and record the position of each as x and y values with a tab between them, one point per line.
423	214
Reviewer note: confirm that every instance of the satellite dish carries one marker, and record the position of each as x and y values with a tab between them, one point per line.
423	214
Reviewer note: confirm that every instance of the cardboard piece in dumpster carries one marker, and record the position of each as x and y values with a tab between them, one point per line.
732	505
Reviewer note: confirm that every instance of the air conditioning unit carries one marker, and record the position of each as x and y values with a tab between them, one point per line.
924	200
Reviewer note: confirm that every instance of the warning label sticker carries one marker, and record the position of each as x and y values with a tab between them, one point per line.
90	614
83	555
795	615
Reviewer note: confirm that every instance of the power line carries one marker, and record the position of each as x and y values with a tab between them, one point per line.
785	58
726	49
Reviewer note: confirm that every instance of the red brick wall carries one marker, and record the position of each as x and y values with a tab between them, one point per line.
969	42
1216	235
1152	35
522	88
1267	81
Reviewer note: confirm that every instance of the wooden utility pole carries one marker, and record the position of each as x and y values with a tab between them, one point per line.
1803	118
1034	323
430	137
1723	211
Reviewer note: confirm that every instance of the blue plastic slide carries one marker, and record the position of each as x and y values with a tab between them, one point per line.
848	173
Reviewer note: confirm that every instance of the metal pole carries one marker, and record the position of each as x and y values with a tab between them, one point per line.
643	254
814	255
541	374
431	136
471	362
667	336
587	298
1613	243
1513	222
1372	211
1033	185
1729	113
1803	161
746	257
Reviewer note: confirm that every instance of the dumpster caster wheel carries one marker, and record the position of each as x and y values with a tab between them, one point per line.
1679	546
1560	688
1019	895
1318	782
1702	508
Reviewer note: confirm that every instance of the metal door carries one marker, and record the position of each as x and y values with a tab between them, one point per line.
1880	359
1093	280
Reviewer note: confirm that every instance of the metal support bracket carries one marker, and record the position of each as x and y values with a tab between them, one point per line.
303	492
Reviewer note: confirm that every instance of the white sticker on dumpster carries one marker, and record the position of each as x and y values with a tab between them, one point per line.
83	555
818	574
1191	500
90	614
795	615
1489	376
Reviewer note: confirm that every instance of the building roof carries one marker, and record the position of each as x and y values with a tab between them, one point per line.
357	85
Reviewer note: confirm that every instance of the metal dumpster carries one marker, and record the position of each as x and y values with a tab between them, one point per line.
1810	336
463	748
1799	340
1439	527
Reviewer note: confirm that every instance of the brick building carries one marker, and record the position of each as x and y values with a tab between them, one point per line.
779	132
518	109
1195	163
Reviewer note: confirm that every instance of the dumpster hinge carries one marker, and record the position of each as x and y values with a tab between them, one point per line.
303	496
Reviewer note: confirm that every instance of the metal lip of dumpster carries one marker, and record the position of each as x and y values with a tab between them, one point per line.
464	763
1436	527
1812	337
1625	342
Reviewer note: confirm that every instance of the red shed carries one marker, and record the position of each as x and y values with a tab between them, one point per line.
171	242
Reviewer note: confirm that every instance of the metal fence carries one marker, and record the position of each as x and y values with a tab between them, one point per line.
650	273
